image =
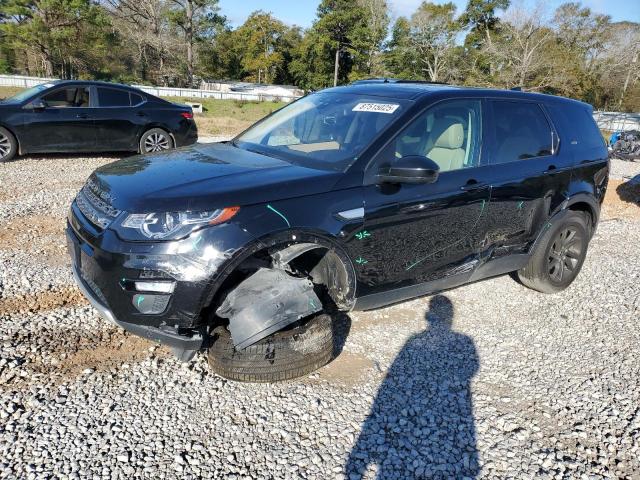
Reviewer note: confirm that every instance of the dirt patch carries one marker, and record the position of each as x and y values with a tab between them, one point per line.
104	355
39	235
42	301
349	369
622	199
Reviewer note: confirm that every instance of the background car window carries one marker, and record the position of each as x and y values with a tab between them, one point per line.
67	98
111	97
521	131
136	99
448	133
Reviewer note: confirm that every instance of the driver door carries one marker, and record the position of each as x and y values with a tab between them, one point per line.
415	234
65	124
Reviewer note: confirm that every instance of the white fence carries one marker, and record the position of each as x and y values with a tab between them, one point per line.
617	121
195	93
22	81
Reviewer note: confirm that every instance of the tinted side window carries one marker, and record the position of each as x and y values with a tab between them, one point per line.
111	97
577	125
67	98
448	133
521	131
136	99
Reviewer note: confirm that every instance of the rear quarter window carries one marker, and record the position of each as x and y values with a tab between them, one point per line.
521	131
112	97
577	126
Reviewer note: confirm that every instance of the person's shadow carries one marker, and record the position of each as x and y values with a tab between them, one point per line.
421	424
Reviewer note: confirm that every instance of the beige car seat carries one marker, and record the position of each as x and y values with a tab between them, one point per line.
447	149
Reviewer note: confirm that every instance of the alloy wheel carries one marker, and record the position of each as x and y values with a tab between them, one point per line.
564	255
5	145
156	142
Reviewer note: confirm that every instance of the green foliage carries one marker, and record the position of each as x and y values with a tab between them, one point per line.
574	52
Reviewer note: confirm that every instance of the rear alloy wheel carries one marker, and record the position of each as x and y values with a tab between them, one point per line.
559	254
565	254
8	145
155	140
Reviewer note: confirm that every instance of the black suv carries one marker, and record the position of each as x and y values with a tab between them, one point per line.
347	199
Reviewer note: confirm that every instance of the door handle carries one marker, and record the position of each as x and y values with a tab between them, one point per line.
472	184
550	169
82	115
141	114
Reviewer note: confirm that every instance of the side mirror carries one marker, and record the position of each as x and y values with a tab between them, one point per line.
38	105
411	169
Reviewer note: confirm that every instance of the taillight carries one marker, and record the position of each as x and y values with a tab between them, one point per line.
187	115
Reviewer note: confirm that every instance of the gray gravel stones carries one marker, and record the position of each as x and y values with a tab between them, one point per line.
490	380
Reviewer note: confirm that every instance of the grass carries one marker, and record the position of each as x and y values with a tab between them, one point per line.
228	117
220	117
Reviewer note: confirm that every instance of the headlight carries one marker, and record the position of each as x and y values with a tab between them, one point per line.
172	225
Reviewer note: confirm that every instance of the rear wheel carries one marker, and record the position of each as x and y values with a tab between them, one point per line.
8	145
155	140
282	356
559	255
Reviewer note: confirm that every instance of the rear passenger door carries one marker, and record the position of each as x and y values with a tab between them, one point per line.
528	176
118	119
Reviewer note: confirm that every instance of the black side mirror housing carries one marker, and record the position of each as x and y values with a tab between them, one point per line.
411	169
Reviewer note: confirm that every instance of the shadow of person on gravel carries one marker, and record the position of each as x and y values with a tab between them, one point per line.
421	424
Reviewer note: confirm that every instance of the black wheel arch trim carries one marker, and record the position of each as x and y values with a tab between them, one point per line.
594	208
283	237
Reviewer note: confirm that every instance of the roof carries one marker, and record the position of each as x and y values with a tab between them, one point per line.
94	82
413	89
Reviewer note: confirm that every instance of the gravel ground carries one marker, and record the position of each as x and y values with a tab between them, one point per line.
488	380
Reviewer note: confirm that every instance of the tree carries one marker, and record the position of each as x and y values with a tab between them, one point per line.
195	20
481	20
433	31
400	59
261	36
519	51
64	37
374	31
340	24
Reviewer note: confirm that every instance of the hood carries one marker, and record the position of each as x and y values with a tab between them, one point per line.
202	177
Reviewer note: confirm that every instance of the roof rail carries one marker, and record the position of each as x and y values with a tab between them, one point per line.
395	80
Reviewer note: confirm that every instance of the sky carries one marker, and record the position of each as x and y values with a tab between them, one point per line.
303	12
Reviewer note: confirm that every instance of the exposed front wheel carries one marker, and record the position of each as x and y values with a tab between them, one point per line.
8	145
155	140
284	355
559	254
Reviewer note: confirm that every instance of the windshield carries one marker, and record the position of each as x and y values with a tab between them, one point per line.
29	92
323	130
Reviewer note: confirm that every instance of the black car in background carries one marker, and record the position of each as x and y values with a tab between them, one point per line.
81	116
351	198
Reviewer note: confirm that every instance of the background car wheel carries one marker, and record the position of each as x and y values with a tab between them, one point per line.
8	145
282	356
155	140
559	255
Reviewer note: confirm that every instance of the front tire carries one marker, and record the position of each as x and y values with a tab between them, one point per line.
559	254
285	355
8	145
155	140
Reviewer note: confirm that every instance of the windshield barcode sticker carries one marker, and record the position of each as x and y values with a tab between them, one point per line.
376	107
